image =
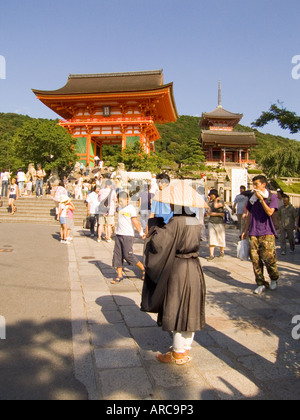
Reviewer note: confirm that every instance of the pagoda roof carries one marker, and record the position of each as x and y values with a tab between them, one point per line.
108	83
88	88
220	114
228	138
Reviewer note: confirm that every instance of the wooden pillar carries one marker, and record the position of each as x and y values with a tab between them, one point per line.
224	157
142	143
147	146
88	149
123	141
101	152
123	130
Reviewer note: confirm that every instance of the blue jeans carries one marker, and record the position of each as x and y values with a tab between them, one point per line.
4	188
39	187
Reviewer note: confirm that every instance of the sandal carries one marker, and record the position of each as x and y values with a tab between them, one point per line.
173	357
117	280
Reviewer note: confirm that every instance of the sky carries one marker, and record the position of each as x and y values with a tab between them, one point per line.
247	44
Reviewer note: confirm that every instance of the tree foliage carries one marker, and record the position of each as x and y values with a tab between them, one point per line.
179	146
286	119
9	124
46	143
26	140
283	161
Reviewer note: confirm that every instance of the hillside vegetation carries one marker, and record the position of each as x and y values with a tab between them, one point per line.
178	149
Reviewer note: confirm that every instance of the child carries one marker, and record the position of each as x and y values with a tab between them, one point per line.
63	210
13	195
29	187
70	220
127	219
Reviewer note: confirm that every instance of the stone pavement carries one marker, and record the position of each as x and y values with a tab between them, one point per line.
246	351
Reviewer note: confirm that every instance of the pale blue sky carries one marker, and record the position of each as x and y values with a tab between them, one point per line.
247	44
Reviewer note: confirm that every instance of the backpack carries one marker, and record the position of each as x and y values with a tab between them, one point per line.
104	206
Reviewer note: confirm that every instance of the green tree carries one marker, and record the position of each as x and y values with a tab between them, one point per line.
191	152
286	119
111	155
9	124
45	142
283	161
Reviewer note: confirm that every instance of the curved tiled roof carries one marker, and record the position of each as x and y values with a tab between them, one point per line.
224	138
108	82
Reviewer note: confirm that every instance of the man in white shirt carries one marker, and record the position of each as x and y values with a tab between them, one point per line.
21	180
239	204
127	220
93	209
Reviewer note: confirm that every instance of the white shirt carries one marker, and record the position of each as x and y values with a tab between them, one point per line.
154	186
63	209
21	176
93	201
125	227
5	176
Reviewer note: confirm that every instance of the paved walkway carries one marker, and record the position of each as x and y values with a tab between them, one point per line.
246	350
36	358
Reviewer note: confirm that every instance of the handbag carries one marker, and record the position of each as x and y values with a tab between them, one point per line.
87	223
104	206
243	249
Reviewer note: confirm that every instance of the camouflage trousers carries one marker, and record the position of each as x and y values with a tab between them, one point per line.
263	252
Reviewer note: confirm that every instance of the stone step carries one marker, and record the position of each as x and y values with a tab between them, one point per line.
34	202
35	220
39	211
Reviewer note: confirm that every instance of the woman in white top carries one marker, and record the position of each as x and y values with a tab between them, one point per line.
13	195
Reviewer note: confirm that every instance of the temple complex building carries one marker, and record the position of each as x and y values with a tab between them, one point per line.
112	108
220	143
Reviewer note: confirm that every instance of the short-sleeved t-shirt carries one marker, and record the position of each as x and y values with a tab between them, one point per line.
261	224
124	226
94	203
241	201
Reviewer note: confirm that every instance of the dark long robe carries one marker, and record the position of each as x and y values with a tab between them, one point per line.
174	284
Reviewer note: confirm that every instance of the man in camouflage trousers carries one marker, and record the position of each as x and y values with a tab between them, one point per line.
261	231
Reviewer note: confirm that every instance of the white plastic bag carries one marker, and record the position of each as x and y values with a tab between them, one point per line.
243	249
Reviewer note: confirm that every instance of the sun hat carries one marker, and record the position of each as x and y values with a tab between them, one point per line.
64	198
180	193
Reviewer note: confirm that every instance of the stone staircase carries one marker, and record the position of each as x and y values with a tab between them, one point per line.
39	211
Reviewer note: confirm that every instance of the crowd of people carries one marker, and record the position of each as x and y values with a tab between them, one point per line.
13	187
103	203
174	285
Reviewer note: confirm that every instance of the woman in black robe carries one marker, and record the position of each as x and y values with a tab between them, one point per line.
174	284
